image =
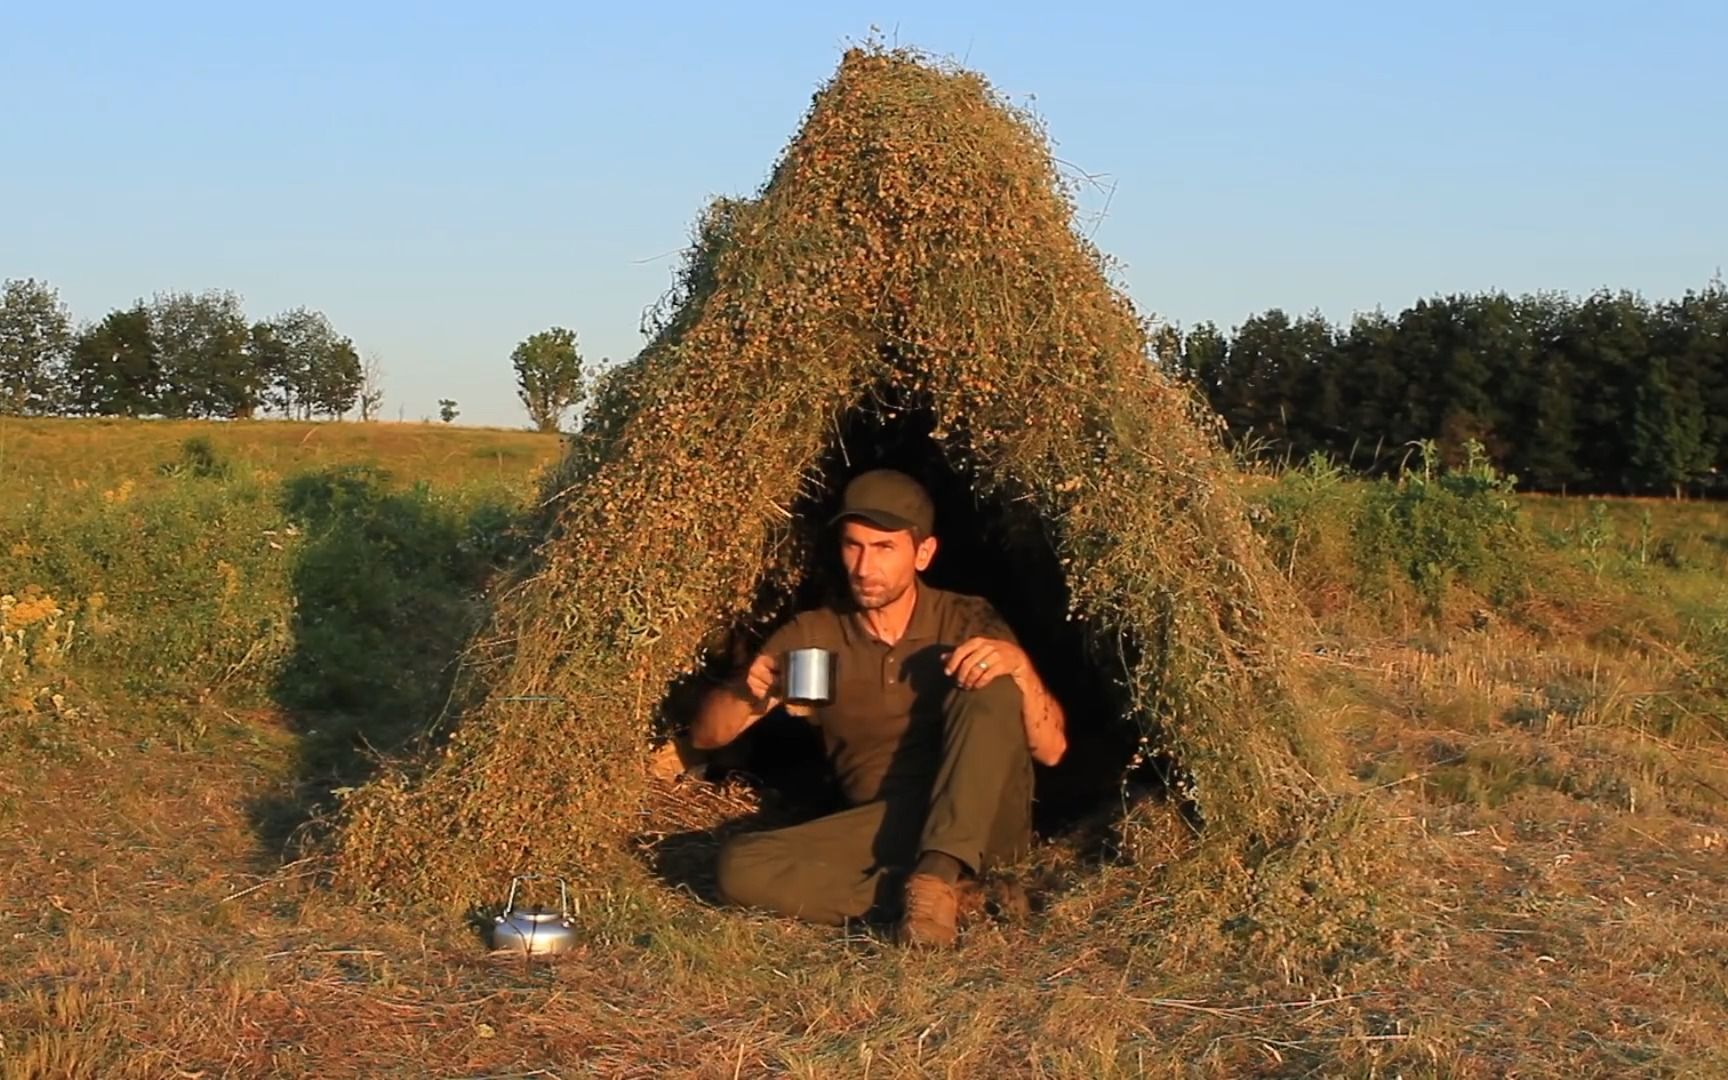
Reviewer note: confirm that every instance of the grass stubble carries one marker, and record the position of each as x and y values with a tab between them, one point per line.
1544	776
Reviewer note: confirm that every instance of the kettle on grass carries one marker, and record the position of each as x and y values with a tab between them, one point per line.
533	931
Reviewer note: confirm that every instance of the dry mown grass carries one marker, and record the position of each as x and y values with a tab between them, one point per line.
1545	923
146	934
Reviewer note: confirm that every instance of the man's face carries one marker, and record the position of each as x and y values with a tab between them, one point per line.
881	564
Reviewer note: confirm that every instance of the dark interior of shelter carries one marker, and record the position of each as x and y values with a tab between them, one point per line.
1001	551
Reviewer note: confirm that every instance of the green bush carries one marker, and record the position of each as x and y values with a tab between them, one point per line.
1339	537
1308	519
183	586
198	458
330	592
1435	526
386	593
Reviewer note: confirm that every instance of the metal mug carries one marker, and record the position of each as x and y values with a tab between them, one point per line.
809	677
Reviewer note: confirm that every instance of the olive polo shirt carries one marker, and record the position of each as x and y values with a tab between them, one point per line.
883	728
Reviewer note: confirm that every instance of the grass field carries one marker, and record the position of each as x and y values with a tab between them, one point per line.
212	626
38	457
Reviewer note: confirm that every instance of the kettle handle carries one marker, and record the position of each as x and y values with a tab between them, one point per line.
563	895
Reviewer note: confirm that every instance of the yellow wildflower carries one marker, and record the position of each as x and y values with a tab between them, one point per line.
16	613
230	579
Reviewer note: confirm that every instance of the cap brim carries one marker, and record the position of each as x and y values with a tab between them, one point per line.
882	519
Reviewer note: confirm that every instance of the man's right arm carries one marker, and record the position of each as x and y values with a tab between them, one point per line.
730	708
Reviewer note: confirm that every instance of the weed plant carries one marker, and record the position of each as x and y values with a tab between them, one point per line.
202	579
1413	536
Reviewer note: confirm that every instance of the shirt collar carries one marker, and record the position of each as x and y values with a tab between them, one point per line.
921	627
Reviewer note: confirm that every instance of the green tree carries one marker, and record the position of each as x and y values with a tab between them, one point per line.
1272	385
1492	361
1164	345
550	379
1608	342
1372	386
1606	393
114	368
1449	347
272	358
1205	351
35	337
1313	399
1547	441
311	369
1668	429
1692	333
447	410
1246	379
337	379
1535	391
208	368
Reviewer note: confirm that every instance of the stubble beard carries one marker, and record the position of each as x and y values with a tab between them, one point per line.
877	602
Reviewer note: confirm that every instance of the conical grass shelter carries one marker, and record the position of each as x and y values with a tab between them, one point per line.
908	288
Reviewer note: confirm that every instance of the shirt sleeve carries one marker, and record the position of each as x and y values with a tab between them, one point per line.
975	617
791	635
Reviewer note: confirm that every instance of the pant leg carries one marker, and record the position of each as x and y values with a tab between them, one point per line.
829	870
981	804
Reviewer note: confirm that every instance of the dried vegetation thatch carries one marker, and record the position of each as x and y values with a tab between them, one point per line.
912	255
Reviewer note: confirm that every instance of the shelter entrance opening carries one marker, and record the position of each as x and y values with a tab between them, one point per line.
990	547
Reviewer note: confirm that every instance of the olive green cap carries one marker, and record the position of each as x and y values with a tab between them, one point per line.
889	499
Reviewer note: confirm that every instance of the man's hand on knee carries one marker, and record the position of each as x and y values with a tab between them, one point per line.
979	661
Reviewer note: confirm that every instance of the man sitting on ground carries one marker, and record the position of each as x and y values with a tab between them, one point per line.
934	721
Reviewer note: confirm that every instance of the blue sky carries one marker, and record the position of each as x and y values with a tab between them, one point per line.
443	180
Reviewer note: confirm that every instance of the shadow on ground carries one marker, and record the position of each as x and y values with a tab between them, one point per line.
774	776
388	590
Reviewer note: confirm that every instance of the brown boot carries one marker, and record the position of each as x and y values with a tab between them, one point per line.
930	915
971	902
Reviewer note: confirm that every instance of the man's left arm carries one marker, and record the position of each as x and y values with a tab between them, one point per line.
979	661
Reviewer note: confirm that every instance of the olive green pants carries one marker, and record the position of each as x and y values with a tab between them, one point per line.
976	808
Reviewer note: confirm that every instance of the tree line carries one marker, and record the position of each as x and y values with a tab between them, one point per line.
186	354
179	354
1605	393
